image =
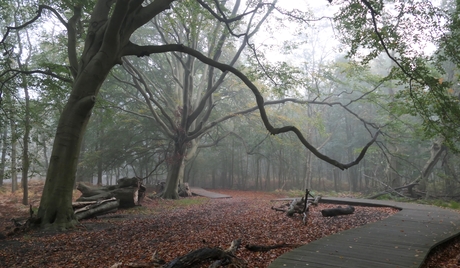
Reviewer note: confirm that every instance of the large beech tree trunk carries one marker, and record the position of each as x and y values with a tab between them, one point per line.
107	40
56	202
172	181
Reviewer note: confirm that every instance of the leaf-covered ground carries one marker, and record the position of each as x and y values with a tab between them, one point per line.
174	228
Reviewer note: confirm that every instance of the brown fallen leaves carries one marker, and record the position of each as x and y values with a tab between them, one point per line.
445	255
174	228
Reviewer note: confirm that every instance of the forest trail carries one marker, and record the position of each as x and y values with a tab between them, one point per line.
402	240
202	192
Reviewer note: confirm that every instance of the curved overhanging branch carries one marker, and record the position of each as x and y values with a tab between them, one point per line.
18	72
132	49
249	33
200	130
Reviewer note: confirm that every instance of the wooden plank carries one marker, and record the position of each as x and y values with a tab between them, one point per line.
401	240
318	259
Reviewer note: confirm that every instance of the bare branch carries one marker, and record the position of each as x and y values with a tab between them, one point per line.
136	75
245	42
32	20
133	49
18	72
227	21
145	14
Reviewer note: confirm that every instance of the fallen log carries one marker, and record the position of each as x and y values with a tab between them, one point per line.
99	208
196	258
296	206
129	191
396	190
262	248
332	212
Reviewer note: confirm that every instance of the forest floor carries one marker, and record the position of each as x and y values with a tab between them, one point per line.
172	228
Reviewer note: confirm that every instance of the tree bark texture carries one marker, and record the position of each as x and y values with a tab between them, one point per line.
96	208
184	190
172	182
56	202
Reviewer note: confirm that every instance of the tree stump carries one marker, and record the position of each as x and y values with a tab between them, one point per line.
184	190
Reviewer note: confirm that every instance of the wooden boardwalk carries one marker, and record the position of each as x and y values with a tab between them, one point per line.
205	193
402	240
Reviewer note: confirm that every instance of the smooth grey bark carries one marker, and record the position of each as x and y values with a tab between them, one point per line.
174	171
45	151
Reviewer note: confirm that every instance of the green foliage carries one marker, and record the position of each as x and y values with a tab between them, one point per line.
370	30
454	205
440	203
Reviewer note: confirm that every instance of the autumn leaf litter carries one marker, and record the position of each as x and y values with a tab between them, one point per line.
171	229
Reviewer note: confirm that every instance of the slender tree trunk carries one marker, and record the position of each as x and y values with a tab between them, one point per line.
45	151
3	157
25	148
335	174
257	173
267	177
213	178
308	171
232	164
280	169
437	150
224	172
14	174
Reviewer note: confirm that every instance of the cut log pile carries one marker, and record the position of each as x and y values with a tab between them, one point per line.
89	209
99	200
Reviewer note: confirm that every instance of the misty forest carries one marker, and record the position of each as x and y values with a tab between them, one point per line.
352	98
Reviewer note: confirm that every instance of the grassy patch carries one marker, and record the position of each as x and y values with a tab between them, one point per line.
454	205
160	205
